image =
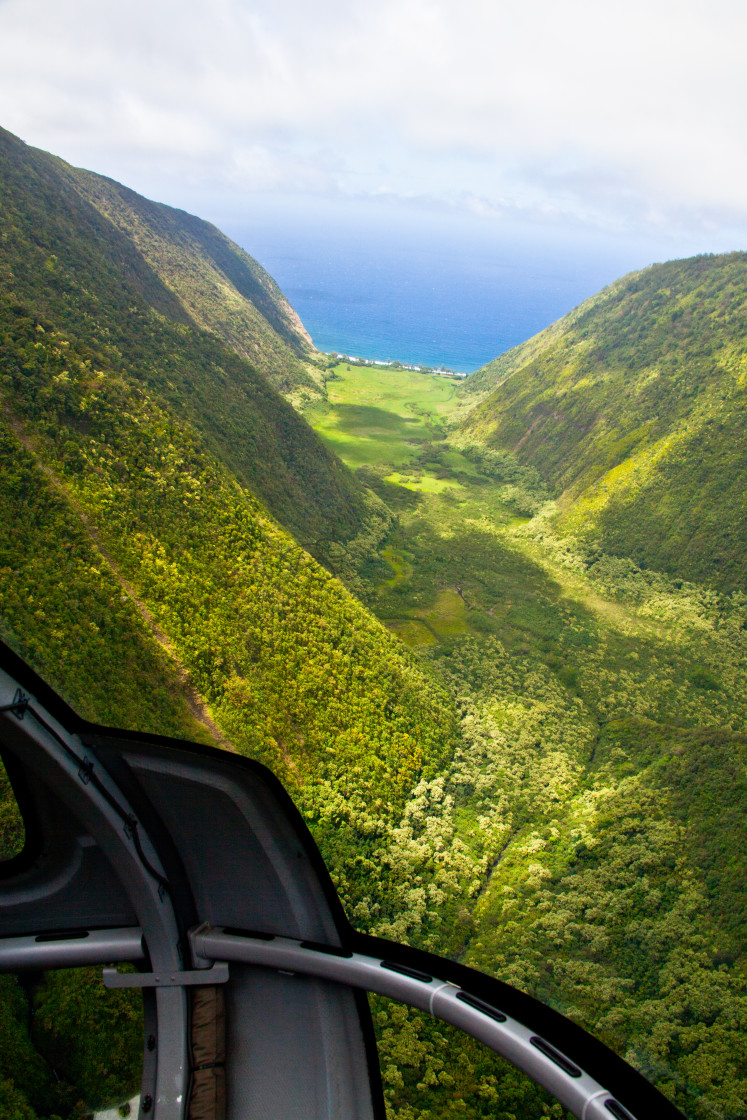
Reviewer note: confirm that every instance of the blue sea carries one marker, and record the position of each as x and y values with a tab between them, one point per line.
436	290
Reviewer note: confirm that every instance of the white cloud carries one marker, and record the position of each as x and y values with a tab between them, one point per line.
619	112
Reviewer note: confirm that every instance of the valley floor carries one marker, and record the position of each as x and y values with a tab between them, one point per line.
587	842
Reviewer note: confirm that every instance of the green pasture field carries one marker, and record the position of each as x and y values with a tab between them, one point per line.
383	416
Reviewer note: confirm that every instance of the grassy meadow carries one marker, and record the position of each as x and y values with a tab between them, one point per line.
377	416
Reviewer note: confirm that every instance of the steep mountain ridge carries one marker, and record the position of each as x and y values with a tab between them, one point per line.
243	606
153	590
62	261
221	287
143	462
633	409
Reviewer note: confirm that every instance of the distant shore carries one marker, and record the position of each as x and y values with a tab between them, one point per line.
442	371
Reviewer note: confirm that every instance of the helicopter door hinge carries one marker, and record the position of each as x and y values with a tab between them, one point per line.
200	977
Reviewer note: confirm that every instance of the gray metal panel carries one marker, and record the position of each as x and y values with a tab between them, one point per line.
95	947
71	883
295	1045
80	792
295	1049
79	894
244	861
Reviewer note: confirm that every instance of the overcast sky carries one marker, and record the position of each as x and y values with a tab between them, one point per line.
626	117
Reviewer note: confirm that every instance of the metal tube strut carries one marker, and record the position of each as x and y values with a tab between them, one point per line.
543	1062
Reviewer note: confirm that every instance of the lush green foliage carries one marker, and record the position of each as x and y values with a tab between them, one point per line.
262	631
587	841
223	289
383	418
634	408
128	543
12	831
64	262
294	671
66	612
68	1046
139	525
91	1037
549	785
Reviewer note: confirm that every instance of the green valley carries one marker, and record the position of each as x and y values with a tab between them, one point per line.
381	416
491	636
599	704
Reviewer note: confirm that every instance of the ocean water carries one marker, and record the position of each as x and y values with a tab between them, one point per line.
428	291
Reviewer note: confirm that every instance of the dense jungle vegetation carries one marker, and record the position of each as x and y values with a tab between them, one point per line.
515	742
64	262
588	840
633	410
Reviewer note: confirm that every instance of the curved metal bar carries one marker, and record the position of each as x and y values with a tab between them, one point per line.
71	949
543	1062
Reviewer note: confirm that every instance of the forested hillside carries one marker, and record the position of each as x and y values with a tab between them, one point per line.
63	261
145	579
222	288
588	842
549	783
633	410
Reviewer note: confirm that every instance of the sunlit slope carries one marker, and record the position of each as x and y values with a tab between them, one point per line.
67	614
221	287
62	261
633	408
136	517
586	842
154	592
